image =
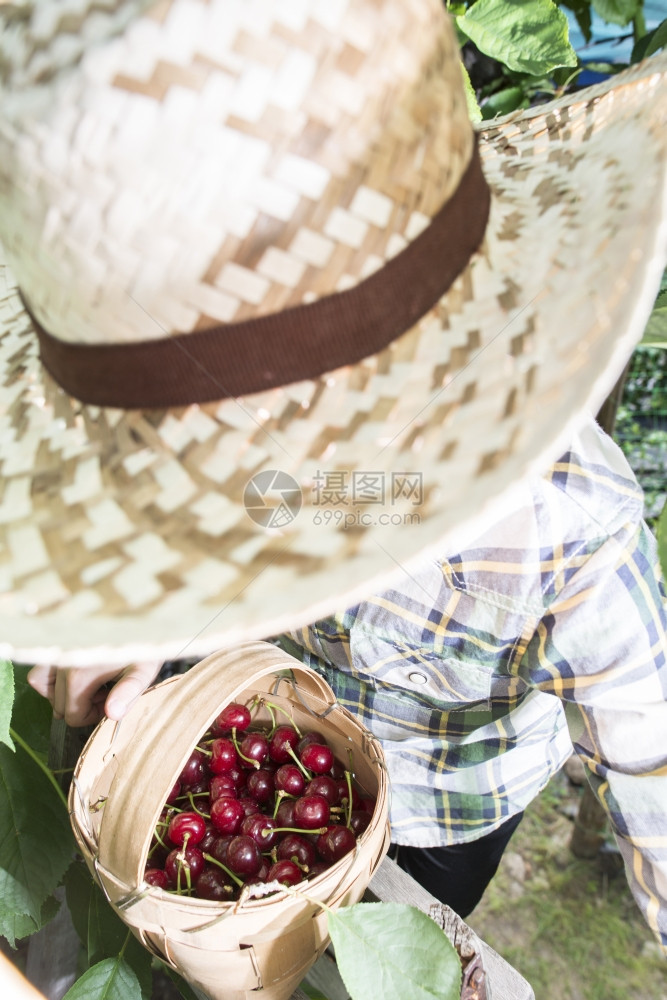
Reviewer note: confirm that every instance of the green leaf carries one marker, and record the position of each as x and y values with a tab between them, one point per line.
36	840
32	715
393	951
655	333
14	925
6	701
474	113
616	11
528	36
582	12
502	102
657	39
662	540
112	979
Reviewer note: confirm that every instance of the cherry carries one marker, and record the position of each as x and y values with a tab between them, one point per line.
285	813
254	749
319	868
233	716
222	784
359	821
156	876
250	806
317	757
194	769
226	814
323	785
286	872
214	884
209	838
294	847
243	855
335	843
344	793
311	811
223	756
219	848
238	776
368	804
174	793
308	738
261	785
181	862
261	828
288	778
284	739
187	827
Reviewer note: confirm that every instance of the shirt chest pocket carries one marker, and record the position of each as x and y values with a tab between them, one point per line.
450	682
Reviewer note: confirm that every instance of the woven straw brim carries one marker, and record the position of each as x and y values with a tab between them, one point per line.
124	534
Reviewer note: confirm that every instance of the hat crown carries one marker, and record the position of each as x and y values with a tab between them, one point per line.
207	163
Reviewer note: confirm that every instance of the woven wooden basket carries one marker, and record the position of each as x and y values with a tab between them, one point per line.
228	950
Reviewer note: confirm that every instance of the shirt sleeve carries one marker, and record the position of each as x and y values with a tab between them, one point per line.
602	649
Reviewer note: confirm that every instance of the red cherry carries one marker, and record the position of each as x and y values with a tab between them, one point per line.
222	784
285	813
261	785
214	884
223	756
317	757
311	811
288	778
308	738
286	872
226	814
233	716
323	785
188	826
335	843
181	861
284	739
195	769
359	821
261	828
254	749
156	876
295	848
243	855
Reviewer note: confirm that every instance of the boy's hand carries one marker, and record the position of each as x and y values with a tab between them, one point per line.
82	695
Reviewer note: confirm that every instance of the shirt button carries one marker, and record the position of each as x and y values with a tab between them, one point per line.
417	678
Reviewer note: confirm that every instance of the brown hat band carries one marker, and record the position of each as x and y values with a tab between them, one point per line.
298	343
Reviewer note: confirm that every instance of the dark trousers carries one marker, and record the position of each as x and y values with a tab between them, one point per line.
457	875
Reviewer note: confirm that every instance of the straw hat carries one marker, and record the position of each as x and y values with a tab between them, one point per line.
310	338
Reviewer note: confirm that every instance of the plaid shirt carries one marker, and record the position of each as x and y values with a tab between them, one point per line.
480	671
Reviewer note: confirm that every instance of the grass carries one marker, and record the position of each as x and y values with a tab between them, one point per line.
570	927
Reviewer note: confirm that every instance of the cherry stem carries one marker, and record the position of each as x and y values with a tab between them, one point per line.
272	705
214	861
159	838
280	795
248	760
298	763
290	829
194	807
209	753
348	817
